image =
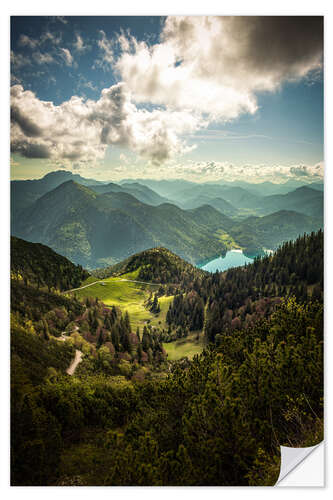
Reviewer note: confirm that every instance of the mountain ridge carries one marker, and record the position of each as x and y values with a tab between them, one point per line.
86	227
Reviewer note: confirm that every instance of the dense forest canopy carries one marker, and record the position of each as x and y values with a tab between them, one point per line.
156	265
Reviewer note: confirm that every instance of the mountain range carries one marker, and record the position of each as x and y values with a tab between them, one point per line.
303	199
92	229
102	224
24	192
169	187
139	191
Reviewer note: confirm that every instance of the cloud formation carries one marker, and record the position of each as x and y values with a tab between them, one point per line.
107	58
79	44
18	60
216	171
80	131
203	69
216	65
66	56
26	41
42	58
213	170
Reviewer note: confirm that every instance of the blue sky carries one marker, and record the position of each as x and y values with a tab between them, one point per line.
197	98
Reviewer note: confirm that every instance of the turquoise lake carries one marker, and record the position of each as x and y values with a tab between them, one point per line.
233	258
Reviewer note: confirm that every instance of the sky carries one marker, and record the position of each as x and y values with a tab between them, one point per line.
200	98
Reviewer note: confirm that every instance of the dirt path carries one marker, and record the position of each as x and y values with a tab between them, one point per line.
63	337
114	281
75	362
81	287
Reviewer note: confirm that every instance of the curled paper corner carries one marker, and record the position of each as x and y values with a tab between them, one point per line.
291	458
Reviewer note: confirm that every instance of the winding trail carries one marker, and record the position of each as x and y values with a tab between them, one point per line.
75	362
113	281
63	337
78	354
81	287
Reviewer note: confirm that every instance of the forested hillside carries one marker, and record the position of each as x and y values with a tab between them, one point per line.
91	228
128	416
270	231
156	265
24	193
38	265
240	296
220	421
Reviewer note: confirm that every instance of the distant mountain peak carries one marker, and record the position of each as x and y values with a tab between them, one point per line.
305	189
57	173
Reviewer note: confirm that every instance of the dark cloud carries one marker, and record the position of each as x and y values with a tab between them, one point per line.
80	131
217	65
304	171
30	150
278	42
29	128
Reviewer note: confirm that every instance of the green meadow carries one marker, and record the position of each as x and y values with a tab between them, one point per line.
129	296
180	348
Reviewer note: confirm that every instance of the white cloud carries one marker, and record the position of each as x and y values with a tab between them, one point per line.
105	61
25	41
89	85
66	56
61	19
80	131
14	79
79	43
47	36
18	60
203	69
302	171
216	65
215	170
42	58
32	43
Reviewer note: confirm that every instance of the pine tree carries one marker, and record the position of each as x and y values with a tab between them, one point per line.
126	342
127	322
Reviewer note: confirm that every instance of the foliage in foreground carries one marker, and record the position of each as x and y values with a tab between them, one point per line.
215	422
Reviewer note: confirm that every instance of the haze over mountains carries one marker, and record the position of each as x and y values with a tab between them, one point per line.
96	223
139	191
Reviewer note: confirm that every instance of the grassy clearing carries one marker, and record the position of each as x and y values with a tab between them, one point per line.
159	320
89	280
129	297
184	347
134	275
227	239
